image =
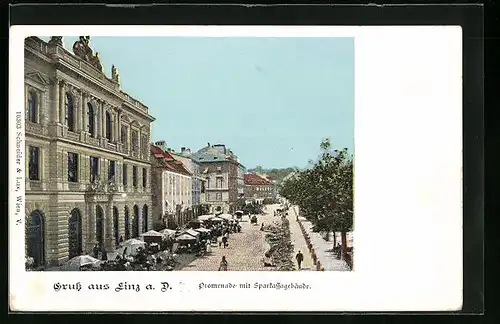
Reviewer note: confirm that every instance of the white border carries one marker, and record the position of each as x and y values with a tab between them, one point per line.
408	210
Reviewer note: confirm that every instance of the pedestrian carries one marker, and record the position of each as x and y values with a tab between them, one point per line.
224	241
121	239
223	264
95	251
300	258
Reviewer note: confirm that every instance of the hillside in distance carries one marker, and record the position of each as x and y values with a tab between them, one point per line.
273	174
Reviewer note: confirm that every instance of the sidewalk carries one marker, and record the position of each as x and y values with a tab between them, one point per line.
299	243
322	247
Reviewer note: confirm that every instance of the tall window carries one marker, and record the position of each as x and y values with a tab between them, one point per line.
34	163
94	168
144	145
125	175
208	182
218	183
91	119
135	141
144	177
218	196
108	126
124	136
72	167
134	176
70	113
32	107
111	170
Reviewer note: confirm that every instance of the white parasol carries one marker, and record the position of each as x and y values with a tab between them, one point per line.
152	233
185	237
205	217
191	232
226	216
168	232
132	246
79	261
203	230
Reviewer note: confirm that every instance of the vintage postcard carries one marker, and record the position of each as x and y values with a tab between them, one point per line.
163	168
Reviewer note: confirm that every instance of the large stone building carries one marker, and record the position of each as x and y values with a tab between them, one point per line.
87	154
172	189
194	167
223	173
258	188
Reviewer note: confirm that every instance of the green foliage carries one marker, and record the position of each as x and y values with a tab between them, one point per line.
324	192
273	174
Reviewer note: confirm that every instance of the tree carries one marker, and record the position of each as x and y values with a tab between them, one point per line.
324	192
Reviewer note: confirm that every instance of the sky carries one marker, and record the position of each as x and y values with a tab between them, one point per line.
270	100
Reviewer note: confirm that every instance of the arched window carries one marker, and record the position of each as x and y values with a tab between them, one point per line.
127	223
75	234
135	223
32	106
91	119
108	126
145	218
115	226
70	113
35	234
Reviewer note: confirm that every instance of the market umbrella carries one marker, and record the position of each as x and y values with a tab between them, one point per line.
226	216
205	217
203	230
80	261
216	219
152	233
185	238
168	232
191	232
132	246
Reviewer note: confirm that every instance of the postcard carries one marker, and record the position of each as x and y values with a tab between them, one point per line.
230	168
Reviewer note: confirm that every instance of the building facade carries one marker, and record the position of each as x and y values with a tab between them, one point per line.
87	154
223	175
172	189
258	188
194	167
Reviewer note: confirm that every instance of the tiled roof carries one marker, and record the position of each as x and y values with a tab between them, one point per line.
255	180
169	161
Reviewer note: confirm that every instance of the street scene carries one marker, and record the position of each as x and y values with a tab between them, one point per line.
236	159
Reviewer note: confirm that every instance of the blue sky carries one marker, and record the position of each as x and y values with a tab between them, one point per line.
271	100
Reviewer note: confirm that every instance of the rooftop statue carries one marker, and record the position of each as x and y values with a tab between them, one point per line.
56	40
82	49
114	74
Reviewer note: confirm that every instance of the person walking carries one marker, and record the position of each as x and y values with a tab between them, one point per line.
299	257
223	264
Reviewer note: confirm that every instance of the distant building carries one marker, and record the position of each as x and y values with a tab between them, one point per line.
224	178
257	188
193	166
171	184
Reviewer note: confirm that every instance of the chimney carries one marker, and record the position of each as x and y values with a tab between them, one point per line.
183	149
162	145
188	151
208	144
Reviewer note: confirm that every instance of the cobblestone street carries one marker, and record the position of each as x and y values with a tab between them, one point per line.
244	253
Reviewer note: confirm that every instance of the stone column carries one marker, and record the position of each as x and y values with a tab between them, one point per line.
119	126
91	229
84	122
62	113
78	112
56	90
139	142
115	126
108	231
103	120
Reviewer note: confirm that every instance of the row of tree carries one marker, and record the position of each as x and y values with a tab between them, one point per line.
324	192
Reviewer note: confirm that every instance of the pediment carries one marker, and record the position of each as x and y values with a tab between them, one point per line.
37	77
125	118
